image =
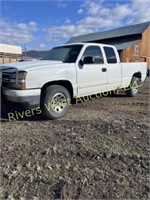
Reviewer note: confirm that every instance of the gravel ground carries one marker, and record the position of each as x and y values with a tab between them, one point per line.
99	150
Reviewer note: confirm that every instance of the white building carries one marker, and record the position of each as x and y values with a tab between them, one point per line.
10	53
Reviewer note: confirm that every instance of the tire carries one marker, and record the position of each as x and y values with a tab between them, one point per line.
55	102
133	90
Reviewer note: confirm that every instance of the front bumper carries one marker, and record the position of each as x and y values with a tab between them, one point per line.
28	97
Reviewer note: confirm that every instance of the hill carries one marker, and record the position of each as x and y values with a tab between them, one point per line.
35	54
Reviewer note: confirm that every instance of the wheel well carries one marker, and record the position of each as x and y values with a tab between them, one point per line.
63	83
138	75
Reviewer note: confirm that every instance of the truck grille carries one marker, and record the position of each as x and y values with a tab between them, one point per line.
5	79
6	75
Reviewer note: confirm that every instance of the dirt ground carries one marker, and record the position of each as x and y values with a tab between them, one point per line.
99	150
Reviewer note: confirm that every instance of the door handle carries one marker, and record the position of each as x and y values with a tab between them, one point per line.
104	69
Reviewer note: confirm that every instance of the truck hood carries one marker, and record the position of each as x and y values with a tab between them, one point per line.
31	65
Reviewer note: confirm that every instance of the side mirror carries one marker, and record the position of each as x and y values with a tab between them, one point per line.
88	60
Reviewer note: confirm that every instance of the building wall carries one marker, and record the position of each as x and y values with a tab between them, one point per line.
9	58
145	46
129	54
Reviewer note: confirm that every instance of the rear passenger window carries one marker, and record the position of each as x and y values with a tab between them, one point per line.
110	55
95	52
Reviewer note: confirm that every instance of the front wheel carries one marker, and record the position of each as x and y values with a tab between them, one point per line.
133	89
55	102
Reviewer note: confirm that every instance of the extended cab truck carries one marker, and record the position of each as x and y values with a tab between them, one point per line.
67	72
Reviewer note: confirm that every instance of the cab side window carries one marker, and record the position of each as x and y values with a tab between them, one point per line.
96	53
110	55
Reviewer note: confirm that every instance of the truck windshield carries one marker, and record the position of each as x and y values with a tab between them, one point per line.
66	54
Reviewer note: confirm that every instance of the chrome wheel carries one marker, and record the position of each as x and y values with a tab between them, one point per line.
135	90
59	102
135	86
55	101
132	90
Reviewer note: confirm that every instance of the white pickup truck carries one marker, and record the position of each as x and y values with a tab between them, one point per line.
67	72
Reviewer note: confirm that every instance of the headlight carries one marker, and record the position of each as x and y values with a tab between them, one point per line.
18	75
22	75
18	80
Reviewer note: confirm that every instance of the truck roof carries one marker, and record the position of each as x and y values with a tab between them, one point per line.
87	43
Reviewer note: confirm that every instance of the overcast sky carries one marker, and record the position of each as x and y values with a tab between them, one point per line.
44	24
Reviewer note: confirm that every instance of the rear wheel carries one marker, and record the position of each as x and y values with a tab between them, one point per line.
133	89
55	102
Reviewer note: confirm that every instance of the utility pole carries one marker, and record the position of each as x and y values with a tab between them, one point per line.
25	51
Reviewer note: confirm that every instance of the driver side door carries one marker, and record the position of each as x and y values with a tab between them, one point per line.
92	77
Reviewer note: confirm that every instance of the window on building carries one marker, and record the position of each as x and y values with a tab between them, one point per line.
110	55
136	51
94	51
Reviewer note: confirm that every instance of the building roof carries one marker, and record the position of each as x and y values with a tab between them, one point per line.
12	49
119	32
125	45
